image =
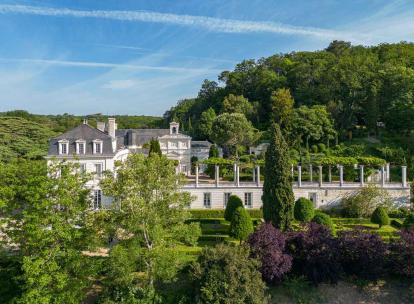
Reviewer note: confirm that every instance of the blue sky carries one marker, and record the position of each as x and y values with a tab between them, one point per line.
141	57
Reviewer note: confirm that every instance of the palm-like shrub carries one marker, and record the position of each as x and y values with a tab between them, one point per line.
241	225
315	254
380	217
362	253
232	204
325	220
304	210
268	244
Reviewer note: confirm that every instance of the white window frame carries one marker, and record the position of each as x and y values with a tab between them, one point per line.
78	144
226	198
97	199
207	199
97	142
98	174
63	143
248	199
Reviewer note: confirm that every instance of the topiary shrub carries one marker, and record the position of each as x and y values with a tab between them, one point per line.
399	213
321	147
304	210
409	221
380	217
227	274
314	149
268	244
325	220
362	253
233	203
315	254
241	225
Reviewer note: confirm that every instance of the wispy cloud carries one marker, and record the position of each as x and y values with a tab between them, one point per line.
91	64
208	23
119	84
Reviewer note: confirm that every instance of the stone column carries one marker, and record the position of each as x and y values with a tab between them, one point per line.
196	175
258	176
238	176
388	176
382	176
310	173
292	171
404	176
361	175
299	176
330	173
341	175
320	176
254	174
235	173
217	175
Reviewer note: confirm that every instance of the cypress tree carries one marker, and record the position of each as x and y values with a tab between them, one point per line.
278	199
155	147
241	225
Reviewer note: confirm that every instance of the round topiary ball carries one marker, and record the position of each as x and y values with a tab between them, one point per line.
304	210
380	217
232	204
324	219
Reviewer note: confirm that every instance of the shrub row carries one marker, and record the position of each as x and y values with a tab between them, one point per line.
319	256
219	213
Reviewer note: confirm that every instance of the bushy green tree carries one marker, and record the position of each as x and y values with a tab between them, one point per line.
237	104
150	211
324	219
282	106
241	225
52	228
233	131
278	199
206	123
364	202
232	204
227	274
380	217
304	210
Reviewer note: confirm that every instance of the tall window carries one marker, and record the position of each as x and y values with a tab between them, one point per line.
248	200
98	170
81	147
226	198
98	148
64	148
207	200
97	199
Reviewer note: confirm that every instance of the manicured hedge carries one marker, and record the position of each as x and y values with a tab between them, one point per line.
396	223
219	213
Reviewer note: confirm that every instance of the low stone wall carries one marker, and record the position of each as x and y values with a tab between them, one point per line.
324	197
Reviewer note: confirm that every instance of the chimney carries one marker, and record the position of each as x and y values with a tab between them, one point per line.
100	125
111	127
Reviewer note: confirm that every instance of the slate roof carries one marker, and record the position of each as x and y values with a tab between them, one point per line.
138	137
82	132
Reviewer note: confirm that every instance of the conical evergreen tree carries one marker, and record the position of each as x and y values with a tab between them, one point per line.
278	199
155	147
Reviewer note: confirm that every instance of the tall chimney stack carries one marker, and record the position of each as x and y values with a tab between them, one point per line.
100	125
111	127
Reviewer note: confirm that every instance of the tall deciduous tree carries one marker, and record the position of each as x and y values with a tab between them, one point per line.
237	104
278	199
233	131
206	122
51	226
150	211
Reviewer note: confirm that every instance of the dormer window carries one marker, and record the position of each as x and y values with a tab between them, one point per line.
97	146
80	147
63	147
